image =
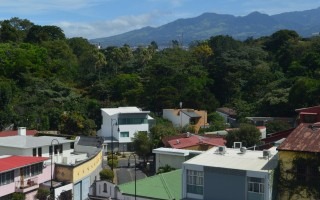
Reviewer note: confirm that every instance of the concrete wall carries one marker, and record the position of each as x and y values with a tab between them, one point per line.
174	161
218	184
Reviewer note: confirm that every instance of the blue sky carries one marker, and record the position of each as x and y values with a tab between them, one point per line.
100	18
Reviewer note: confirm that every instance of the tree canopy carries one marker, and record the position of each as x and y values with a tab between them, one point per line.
50	82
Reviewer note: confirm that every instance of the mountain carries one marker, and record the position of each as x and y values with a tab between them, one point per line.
255	24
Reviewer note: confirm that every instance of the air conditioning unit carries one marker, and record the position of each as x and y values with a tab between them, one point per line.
222	149
243	149
266	153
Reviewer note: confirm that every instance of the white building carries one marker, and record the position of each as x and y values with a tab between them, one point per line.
222	173
172	157
120	124
23	145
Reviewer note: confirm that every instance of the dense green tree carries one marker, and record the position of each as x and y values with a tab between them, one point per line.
142	144
160	130
277	126
248	134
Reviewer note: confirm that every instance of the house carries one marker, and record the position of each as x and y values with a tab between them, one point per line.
23	145
172	157
120	124
229	115
192	142
70	168
308	115
22	174
185	117
299	157
228	174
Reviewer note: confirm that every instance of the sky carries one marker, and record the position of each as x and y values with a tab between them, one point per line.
102	18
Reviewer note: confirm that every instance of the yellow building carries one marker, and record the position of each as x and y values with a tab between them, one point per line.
82	174
299	164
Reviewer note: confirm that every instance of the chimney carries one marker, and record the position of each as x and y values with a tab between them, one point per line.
22	131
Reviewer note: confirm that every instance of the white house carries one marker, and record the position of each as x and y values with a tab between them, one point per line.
24	145
223	173
186	116
120	124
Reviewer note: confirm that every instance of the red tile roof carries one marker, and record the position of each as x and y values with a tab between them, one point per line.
15	132
14	162
305	137
194	140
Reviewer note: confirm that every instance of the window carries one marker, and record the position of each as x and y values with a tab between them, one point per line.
123	121
34	151
195	182
25	171
39	151
124	134
56	149
36	169
72	145
6	177
105	187
256	185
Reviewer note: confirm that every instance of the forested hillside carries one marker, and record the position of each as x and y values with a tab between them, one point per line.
50	82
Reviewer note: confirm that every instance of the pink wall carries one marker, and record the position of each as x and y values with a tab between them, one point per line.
10	188
46	174
7	189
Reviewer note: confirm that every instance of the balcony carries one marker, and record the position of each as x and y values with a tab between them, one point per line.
27	185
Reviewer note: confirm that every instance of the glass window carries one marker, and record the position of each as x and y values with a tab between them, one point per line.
26	171
105	187
72	145
6	178
124	121
256	185
34	151
195	182
39	151
124	134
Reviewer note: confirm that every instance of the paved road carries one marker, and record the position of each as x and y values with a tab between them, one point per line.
127	174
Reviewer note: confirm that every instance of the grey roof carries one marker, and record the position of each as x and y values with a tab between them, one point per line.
26	142
190	113
90	141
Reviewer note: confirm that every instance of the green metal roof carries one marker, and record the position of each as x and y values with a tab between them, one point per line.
163	186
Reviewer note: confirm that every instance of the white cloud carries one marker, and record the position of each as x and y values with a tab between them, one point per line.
91	30
39	6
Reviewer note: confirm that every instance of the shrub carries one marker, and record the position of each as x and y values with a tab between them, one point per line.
18	196
115	163
106	174
115	157
42	194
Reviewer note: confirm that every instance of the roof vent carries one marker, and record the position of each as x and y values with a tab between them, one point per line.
243	149
188	134
177	141
266	153
222	149
22	131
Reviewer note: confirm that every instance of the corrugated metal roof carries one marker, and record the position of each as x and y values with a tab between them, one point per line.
193	140
162	186
305	137
14	162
